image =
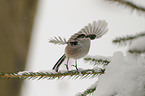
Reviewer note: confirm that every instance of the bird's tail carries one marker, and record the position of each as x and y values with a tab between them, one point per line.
58	63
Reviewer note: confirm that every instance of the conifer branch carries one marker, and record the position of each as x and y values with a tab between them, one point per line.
129	4
127	39
58	41
136	51
98	60
89	73
87	91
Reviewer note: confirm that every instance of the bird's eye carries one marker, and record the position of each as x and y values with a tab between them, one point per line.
82	36
74	43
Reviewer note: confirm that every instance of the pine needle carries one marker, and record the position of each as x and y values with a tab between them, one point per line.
89	90
129	4
127	39
136	51
98	60
50	75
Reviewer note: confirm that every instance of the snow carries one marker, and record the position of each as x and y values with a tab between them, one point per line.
124	76
78	94
42	71
93	85
138	44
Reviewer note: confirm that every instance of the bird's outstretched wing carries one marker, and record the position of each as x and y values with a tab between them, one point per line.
95	30
58	41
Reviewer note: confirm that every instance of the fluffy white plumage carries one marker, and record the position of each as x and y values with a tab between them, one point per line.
79	44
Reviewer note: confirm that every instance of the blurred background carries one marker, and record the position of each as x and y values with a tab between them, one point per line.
27	25
16	21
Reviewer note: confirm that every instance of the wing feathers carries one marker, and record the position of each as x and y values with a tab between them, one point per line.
58	40
94	30
98	28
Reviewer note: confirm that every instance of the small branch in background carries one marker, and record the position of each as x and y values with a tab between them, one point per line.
89	90
129	4
98	60
136	51
128	39
50	75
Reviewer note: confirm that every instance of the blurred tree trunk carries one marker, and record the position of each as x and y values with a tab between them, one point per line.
16	20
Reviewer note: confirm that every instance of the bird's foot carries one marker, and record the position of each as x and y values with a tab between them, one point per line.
75	67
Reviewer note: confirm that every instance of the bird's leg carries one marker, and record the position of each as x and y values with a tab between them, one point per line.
67	64
75	65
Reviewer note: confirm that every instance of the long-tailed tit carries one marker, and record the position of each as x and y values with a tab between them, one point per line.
79	44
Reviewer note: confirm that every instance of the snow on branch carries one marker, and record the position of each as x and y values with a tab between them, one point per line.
50	75
129	4
124	76
127	39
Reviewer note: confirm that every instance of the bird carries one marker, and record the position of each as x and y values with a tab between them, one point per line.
78	44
